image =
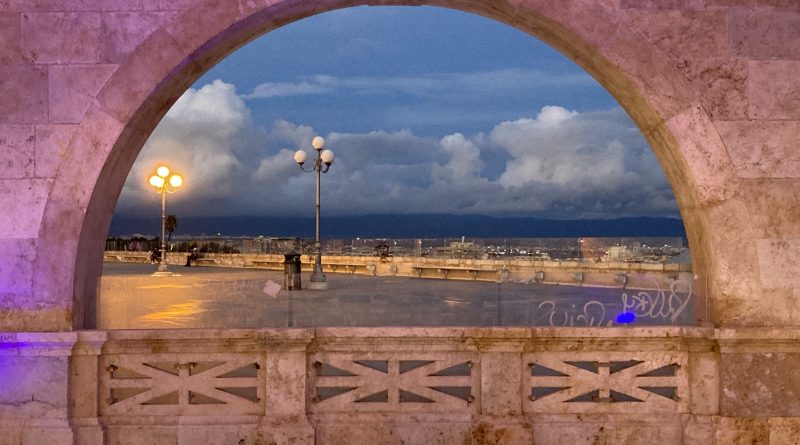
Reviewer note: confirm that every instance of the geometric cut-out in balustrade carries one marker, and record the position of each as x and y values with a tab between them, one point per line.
591	396
370	384
326	392
250	370
585	365
409	365
248	392
171	398
378	397
544	391
615	367
127	374
120	394
669	392
378	365
410	397
664	371
617	397
543	371
461	369
326	370
169	368
199	367
462	392
160	384
195	398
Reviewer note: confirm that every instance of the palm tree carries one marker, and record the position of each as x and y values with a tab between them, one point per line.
170	225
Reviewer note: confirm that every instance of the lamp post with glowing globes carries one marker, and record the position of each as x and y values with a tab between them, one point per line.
322	163
164	182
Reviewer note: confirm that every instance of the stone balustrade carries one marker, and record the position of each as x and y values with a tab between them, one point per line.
590	273
398	385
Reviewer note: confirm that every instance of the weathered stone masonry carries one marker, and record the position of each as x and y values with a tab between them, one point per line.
712	84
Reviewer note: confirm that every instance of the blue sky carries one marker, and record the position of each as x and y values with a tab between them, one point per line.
428	110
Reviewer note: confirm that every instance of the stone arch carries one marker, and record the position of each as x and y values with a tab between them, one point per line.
651	84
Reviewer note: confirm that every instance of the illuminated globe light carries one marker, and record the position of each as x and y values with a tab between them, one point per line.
175	181
318	143
156	181
626	318
162	171
327	156
300	157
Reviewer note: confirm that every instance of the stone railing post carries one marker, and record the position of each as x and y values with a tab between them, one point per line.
501	418
83	387
704	387
285	420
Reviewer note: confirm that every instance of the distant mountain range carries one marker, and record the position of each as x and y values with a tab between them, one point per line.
404	226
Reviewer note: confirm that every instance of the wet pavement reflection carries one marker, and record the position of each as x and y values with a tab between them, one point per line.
212	297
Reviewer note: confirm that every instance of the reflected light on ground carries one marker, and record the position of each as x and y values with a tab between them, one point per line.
175	314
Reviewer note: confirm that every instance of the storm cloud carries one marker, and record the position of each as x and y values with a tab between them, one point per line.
555	163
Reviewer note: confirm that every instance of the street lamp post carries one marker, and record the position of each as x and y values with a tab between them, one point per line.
164	183
323	157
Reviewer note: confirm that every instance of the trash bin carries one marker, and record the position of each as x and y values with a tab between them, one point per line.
291	271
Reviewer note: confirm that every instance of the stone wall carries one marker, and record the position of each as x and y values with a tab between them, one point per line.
588	273
388	385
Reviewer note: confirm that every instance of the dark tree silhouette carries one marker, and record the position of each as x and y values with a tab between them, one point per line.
170	225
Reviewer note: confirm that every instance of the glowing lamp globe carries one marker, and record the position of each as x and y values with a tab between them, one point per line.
300	157
162	171
318	143
327	156
156	181
175	181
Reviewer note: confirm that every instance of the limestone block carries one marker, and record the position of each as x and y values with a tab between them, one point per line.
49	436
52	143
501	380
762	33
56	251
88	152
133	435
288	434
433	434
704	383
23	201
16	271
201	434
10	434
774	205
124	31
351	433
734	267
23	94
698	430
33	388
774	89
784	431
663	4
742	431
72	89
16	151
704	154
286	385
779	262
762	149
72	37
10	52
760	384
153	64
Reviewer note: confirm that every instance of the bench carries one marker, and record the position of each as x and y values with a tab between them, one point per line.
445	270
267	264
129	258
206	261
349	267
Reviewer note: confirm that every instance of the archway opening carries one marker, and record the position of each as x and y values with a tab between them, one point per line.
544	114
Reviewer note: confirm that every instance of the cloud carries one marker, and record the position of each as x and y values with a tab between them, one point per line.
558	163
452	85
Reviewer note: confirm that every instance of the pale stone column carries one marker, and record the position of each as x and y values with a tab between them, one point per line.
501	419
83	383
285	420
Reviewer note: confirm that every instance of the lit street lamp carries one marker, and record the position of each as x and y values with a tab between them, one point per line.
323	157
164	183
